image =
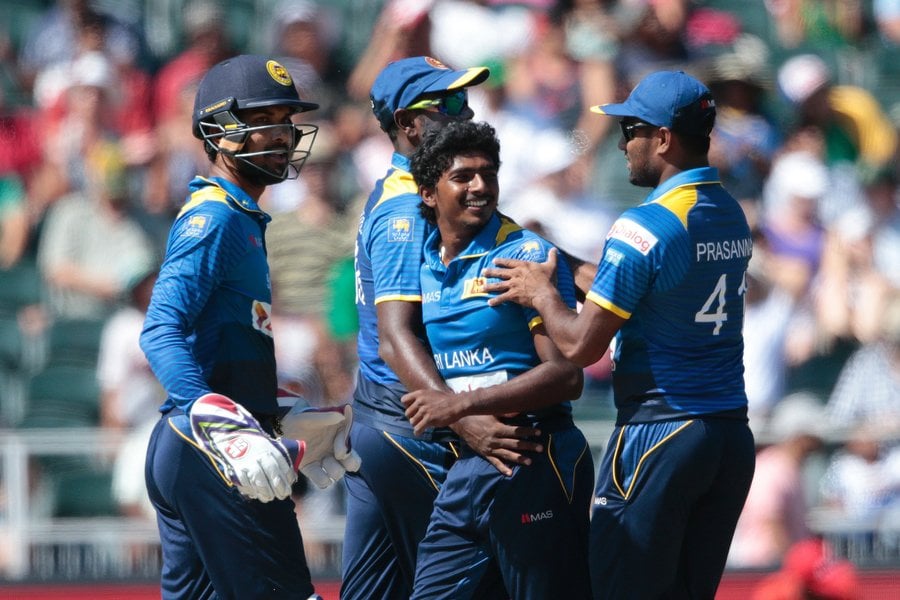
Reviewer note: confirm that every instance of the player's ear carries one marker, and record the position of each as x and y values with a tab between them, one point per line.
428	196
405	119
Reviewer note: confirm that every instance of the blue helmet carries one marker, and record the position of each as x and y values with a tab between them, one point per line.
245	82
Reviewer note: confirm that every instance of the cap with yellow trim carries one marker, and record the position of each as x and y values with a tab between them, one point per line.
404	81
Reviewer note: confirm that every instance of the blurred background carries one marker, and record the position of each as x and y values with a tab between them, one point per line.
96	152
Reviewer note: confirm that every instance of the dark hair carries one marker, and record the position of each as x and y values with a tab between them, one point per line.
440	146
696	145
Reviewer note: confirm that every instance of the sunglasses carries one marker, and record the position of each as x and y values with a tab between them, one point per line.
628	129
452	105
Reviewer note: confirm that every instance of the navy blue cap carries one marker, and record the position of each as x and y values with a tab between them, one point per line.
245	81
670	99
403	81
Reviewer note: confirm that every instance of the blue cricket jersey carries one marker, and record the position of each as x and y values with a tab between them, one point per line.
208	326
475	344
675	266
388	255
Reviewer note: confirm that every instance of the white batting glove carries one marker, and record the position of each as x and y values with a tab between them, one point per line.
262	468
326	433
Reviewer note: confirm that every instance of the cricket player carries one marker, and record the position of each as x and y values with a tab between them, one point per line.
217	474
522	536
390	499
669	288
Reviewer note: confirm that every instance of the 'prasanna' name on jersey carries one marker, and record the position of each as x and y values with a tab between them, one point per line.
472	357
724	250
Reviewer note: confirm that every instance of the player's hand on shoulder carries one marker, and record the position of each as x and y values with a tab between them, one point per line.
260	466
521	281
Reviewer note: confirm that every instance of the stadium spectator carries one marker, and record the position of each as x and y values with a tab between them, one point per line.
859	262
867	391
775	514
305	243
861	483
91	250
769	315
130	395
848	119
746	137
207	43
304	35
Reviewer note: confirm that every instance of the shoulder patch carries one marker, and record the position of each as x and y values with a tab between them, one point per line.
196	226
531	250
633	234
401	229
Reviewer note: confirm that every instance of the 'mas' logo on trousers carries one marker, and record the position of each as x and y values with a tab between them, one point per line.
535	517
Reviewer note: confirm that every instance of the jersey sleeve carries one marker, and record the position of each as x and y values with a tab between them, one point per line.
203	245
631	259
536	249
395	242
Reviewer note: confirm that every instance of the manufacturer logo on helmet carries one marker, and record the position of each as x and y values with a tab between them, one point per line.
215	106
436	63
279	73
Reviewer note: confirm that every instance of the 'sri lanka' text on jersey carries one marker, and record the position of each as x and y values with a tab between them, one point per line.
675	266
470	339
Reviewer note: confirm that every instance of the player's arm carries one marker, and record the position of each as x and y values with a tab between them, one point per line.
499	443
553	381
193	267
582	337
400	347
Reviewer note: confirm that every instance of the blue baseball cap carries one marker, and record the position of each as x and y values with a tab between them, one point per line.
403	81
670	99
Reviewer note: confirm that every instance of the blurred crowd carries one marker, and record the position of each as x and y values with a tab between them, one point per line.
95	113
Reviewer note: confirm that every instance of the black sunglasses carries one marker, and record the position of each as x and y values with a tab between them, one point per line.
628	128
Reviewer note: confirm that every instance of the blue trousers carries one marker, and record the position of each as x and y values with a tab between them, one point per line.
667	500
389	503
523	537
216	544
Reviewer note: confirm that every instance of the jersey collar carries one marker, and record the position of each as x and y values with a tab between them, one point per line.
235	195
690	177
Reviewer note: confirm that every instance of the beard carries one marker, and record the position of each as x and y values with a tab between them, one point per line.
257	174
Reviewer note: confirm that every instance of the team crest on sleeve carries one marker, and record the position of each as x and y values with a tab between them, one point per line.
400	229
196	226
633	234
531	250
474	287
262	317
613	257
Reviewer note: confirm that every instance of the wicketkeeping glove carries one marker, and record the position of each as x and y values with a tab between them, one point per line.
326	433
262	468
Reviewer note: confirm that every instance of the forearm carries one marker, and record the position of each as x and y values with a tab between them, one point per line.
544	385
563	327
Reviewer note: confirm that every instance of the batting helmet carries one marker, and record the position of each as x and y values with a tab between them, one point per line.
246	82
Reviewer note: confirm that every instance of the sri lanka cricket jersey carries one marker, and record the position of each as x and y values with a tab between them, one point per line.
674	266
388	254
208	326
474	344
